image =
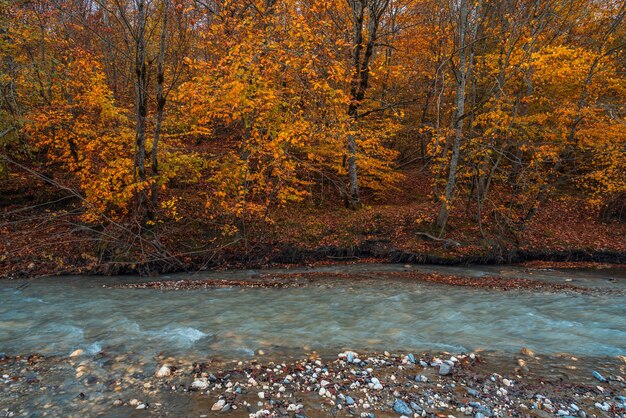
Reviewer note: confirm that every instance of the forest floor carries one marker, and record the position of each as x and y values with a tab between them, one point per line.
41	233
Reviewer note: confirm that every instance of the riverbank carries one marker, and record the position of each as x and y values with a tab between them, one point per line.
39	237
380	384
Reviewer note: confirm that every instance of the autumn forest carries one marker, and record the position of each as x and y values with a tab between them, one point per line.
156	135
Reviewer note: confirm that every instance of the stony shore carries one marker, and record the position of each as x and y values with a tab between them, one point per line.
348	384
329	279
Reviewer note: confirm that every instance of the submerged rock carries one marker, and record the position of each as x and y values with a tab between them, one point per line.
527	352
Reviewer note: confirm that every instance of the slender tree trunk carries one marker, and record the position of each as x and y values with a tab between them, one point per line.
161	100
354	201
461	82
362	52
358	10
141	104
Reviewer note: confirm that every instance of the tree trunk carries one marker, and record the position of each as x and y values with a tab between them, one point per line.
358	11
161	100
461	81
361	67
354	202
141	104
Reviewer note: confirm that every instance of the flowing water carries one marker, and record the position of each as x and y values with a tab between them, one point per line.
126	334
58	315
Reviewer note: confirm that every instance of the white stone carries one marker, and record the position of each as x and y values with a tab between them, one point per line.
76	353
217	406
163	371
603	406
200	384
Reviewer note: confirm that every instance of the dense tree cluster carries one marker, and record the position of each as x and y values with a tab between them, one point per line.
259	104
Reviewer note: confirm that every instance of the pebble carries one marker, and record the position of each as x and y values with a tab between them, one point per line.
200	384
598	376
375	383
76	353
603	406
163	371
402	408
217	406
473	392
418	409
444	369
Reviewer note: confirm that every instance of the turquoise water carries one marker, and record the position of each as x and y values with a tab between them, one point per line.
56	316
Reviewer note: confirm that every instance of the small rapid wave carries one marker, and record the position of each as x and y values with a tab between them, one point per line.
185	336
